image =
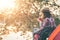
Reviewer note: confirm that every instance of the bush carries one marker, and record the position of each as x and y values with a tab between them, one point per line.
57	21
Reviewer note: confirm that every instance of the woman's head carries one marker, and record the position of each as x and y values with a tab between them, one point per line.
46	13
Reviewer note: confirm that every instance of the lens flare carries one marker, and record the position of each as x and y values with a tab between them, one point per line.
7	4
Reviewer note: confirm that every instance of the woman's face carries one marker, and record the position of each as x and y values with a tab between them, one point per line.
41	15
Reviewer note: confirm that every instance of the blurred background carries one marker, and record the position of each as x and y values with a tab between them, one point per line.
18	18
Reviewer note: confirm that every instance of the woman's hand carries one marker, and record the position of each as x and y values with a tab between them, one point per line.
39	19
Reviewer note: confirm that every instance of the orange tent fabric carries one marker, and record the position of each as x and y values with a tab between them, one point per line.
54	33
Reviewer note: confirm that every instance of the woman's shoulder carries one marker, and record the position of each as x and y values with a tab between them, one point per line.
51	19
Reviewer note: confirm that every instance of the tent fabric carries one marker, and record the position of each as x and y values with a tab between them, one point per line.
55	35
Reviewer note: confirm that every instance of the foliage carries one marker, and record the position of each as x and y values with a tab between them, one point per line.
57	21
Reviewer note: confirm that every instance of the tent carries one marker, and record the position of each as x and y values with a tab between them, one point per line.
55	35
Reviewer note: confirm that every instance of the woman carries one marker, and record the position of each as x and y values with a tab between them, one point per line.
45	20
